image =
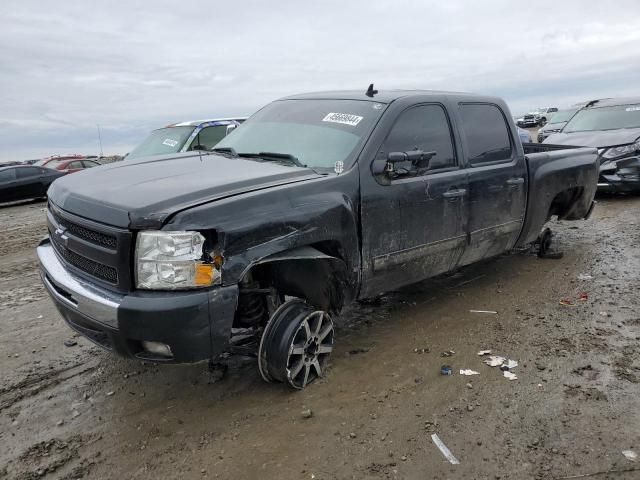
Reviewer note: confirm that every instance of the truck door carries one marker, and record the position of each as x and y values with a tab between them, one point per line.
414	218
497	181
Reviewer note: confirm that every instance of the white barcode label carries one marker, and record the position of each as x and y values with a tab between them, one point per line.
344	118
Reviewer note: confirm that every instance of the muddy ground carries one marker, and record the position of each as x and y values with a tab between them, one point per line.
77	412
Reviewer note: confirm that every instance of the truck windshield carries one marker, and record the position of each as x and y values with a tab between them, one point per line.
318	133
604	118
163	140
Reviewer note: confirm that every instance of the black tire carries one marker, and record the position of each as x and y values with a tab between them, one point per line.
544	242
296	345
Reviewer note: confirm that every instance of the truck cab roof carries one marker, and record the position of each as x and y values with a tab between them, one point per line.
383	96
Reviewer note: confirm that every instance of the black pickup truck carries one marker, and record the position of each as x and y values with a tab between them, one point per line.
317	200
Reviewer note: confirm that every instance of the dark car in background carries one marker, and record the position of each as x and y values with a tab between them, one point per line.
24	182
555	123
186	136
613	126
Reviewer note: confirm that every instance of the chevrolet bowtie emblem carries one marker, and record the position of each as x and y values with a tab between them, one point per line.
60	234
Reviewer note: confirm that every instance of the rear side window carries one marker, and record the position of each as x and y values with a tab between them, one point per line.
487	133
27	172
425	128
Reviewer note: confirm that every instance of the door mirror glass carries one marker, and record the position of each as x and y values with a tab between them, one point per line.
231	128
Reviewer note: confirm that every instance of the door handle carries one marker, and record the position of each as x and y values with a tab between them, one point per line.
515	182
456	193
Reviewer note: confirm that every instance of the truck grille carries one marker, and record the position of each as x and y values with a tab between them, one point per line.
93	250
103	272
92	236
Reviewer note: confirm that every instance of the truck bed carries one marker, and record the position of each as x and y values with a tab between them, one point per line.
562	182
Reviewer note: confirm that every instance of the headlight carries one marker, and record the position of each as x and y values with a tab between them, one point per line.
622	150
173	261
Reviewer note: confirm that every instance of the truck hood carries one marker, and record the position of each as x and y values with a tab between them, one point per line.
143	193
596	138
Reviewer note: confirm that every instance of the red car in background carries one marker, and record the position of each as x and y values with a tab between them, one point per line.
68	163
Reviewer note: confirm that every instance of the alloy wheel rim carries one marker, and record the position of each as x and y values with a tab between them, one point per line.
309	350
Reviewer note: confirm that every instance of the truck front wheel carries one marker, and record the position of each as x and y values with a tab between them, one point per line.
296	344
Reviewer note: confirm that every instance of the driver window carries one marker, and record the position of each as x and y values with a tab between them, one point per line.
425	128
208	137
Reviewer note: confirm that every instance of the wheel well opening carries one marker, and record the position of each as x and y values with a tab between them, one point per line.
322	282
564	202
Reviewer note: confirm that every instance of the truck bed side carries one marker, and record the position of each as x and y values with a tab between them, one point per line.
562	181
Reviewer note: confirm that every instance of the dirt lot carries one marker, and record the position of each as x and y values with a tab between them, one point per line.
71	412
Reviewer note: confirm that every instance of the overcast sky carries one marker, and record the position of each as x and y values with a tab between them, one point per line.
132	66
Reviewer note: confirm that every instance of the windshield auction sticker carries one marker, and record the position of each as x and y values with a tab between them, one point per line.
344	118
169	142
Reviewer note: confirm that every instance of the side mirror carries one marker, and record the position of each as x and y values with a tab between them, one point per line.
231	128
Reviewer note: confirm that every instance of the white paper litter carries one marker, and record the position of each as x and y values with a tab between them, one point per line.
585	276
510	364
469	372
630	454
483	311
484	352
509	375
494	361
445	451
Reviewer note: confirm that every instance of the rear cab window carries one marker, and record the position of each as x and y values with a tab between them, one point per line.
486	133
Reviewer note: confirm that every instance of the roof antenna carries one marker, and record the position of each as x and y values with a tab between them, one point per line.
370	91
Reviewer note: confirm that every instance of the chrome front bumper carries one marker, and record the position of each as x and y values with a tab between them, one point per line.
86	299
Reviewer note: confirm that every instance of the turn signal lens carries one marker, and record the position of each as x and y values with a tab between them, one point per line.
205	275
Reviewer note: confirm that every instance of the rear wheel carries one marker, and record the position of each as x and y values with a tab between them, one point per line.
296	345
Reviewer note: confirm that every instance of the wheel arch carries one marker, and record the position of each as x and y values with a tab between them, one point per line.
310	272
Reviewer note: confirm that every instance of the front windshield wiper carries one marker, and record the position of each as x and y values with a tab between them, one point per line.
276	156
287	157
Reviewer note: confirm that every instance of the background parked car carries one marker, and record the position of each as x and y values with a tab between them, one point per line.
555	123
44	161
186	136
613	126
24	182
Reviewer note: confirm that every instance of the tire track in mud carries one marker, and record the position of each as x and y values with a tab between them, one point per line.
34	384
53	456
